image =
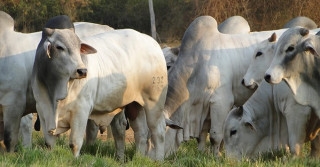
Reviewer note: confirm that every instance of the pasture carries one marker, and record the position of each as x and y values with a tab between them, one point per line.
128	72
102	152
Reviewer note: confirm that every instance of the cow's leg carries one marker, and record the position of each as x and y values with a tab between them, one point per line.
78	125
315	147
12	116
109	132
2	146
203	135
140	128
50	140
26	130
296	122
91	132
118	125
220	105
156	124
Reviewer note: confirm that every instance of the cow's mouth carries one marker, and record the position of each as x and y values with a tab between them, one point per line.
253	86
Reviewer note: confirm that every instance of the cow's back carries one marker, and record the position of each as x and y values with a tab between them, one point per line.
128	64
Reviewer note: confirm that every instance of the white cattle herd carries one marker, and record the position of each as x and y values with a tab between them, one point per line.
83	76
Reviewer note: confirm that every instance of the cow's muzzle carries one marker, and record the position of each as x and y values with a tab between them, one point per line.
82	73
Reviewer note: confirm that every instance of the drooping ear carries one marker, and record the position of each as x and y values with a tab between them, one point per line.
309	46
87	49
273	37
48	31
172	124
47	47
237	112
304	31
250	125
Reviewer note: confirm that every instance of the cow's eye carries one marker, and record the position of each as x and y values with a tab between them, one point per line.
258	54
59	47
233	132
290	49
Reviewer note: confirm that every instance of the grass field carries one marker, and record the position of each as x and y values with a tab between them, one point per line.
102	154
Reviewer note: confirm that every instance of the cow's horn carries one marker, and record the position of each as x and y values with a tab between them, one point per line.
273	37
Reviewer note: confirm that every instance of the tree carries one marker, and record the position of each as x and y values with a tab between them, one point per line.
152	19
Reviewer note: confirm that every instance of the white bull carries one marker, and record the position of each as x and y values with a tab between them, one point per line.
271	119
206	80
128	71
296	62
16	62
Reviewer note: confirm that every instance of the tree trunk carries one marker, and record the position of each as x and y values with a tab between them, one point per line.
153	21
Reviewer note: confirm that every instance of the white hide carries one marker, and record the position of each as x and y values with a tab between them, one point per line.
234	25
271	119
206	80
128	67
295	61
260	62
18	51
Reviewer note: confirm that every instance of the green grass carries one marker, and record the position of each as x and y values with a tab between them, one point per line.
102	153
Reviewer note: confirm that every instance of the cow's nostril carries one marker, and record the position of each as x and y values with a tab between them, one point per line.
267	77
82	72
242	82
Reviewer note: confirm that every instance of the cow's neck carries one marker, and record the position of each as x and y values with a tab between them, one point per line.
267	118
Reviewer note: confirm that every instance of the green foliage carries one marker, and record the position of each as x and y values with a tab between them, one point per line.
172	16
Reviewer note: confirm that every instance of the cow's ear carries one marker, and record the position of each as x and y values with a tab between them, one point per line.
309	46
273	37
172	124
47	47
250	125
87	49
237	112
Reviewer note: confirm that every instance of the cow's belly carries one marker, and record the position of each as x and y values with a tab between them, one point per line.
110	98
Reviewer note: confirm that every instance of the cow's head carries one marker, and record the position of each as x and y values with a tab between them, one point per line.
240	135
262	58
58	60
64	49
171	55
287	64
